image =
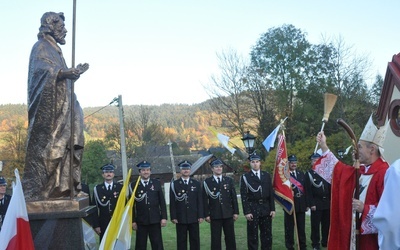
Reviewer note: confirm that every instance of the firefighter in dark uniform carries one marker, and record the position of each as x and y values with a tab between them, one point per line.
105	196
186	208
149	209
4	200
258	204
220	206
319	201
297	179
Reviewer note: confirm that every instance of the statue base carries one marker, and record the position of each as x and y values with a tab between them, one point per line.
57	224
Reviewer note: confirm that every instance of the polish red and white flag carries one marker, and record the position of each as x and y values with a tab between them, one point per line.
16	232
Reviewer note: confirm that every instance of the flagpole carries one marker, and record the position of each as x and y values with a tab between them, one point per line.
283	133
135	188
294	207
131	202
71	143
282	127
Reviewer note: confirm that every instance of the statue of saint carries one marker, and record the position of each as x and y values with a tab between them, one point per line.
47	165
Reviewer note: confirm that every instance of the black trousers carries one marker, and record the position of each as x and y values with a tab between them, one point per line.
320	218
182	235
103	224
153	232
264	224
289	230
217	225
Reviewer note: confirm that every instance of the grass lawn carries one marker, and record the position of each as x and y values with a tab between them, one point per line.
169	234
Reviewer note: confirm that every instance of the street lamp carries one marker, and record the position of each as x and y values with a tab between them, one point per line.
340	153
248	141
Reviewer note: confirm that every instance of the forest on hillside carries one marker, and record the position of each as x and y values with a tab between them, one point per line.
188	121
189	127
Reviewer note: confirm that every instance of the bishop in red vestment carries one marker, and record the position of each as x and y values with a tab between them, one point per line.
342	178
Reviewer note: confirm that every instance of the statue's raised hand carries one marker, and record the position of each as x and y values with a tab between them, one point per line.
82	67
73	73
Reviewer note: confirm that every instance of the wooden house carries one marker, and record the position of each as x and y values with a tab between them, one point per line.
389	110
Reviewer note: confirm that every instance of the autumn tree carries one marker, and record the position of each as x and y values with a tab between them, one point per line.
113	139
227	91
13	150
261	94
145	128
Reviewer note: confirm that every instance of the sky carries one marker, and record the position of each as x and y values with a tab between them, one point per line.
157	51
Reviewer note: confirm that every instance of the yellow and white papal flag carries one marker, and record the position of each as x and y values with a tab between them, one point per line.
119	231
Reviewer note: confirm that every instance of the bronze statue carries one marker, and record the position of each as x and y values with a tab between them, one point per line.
47	164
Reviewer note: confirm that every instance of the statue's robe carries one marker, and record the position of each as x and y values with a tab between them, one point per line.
47	166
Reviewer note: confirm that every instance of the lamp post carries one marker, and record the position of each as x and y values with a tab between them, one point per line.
340	153
248	141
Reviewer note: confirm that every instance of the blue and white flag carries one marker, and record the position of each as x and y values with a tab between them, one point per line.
269	142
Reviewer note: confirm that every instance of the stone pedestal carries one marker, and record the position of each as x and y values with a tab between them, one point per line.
57	224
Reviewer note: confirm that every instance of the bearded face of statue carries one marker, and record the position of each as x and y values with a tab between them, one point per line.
59	32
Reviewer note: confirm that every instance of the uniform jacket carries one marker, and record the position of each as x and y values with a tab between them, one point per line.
186	201
3	207
318	191
257	193
105	201
149	206
220	200
299	197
